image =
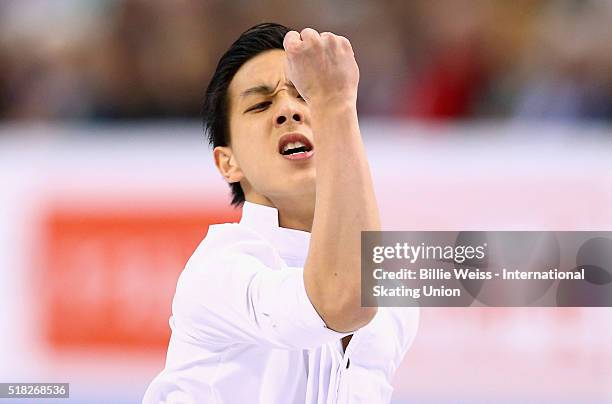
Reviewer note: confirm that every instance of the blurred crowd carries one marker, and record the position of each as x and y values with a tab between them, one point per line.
97	60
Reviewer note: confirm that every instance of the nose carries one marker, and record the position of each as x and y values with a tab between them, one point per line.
288	111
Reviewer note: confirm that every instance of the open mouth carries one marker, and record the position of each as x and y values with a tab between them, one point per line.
295	146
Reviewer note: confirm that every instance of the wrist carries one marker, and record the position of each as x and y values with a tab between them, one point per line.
324	106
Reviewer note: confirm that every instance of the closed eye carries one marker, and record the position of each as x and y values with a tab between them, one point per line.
260	107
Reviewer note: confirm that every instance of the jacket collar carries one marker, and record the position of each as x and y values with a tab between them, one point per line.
292	245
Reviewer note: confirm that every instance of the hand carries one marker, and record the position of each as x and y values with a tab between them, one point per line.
321	66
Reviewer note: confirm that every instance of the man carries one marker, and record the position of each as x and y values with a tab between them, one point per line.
268	310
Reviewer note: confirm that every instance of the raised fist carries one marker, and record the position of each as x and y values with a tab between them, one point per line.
321	66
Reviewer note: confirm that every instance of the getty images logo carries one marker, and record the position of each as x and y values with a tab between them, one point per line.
542	251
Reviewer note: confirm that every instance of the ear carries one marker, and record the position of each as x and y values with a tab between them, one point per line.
226	163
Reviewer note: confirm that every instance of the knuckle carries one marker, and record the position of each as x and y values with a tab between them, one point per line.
291	41
344	41
329	39
309	32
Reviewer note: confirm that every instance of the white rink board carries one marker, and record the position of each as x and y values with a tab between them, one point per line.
472	177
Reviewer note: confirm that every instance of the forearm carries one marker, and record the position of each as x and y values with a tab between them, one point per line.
345	205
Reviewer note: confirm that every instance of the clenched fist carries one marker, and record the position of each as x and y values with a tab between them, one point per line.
321	66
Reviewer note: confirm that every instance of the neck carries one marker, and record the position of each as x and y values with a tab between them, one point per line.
296	216
292	214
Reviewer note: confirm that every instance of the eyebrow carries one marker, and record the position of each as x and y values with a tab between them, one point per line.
263	89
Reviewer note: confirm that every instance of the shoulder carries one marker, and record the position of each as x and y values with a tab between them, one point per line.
220	271
230	254
230	242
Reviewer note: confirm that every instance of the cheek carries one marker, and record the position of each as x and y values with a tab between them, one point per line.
256	158
256	153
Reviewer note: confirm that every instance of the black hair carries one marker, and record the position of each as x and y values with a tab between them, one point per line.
255	40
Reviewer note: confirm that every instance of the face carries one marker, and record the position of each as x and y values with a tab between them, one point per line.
271	148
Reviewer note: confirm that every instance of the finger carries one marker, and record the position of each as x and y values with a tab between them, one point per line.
310	35
329	39
345	42
291	41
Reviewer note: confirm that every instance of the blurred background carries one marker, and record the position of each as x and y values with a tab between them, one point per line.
476	114
108	60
